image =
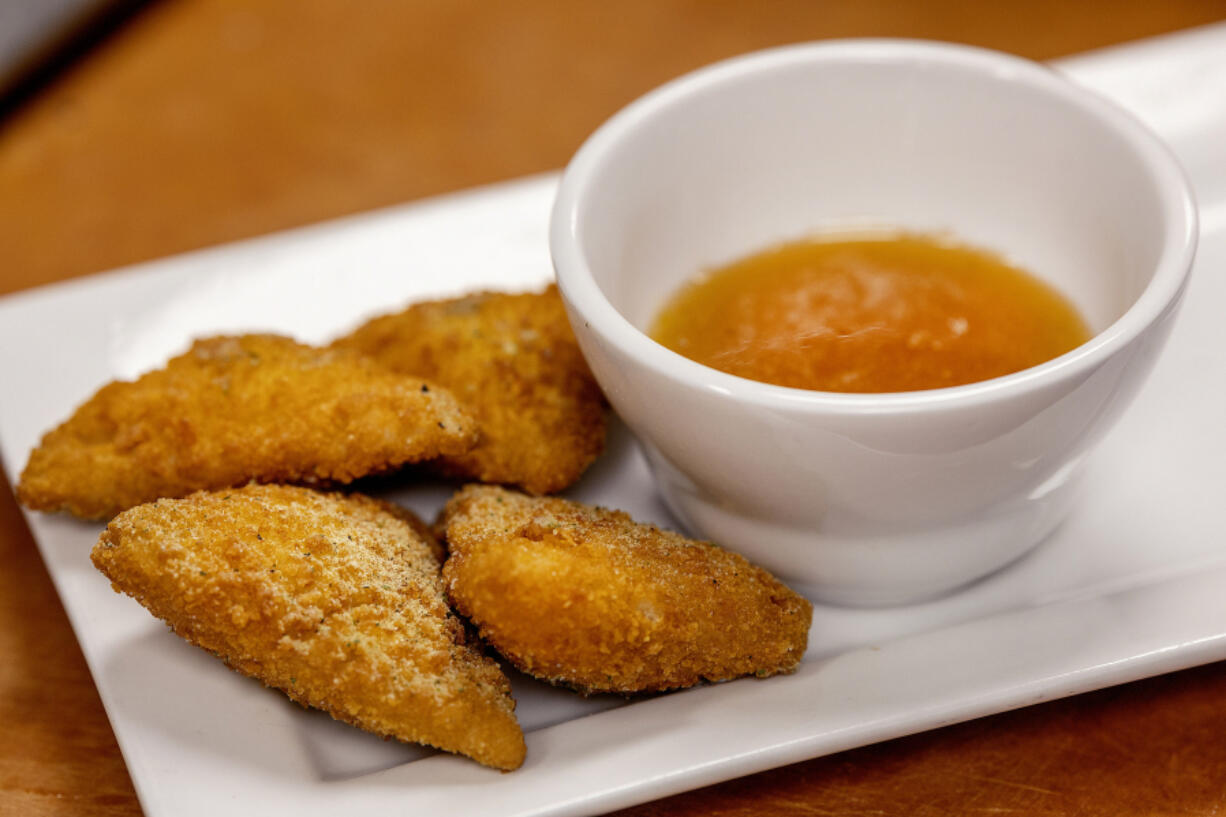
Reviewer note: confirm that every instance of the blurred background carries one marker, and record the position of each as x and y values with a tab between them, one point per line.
174	124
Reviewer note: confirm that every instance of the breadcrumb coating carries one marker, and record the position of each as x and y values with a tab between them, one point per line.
236	409
512	360
335	600
585	597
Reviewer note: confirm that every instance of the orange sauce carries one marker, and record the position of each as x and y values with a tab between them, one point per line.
890	314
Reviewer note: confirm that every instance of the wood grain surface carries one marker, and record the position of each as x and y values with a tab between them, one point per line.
203	121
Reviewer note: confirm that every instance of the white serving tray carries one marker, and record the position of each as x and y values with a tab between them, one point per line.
1131	586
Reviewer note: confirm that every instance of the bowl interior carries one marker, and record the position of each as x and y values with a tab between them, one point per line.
985	150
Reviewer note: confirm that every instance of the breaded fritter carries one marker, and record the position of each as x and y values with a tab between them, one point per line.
513	361
236	409
335	600
585	597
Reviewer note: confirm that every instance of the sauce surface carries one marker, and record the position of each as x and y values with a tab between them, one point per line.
896	313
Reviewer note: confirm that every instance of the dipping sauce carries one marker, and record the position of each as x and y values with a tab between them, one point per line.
880	314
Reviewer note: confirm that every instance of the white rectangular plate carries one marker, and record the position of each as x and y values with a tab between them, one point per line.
1130	586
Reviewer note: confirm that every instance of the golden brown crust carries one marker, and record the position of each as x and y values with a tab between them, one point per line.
236	409
335	600
513	361
588	598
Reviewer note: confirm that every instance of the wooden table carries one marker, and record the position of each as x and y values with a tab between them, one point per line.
202	121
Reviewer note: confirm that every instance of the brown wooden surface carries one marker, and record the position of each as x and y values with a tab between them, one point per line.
202	121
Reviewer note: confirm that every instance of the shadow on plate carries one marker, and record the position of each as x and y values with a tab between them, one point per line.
189	703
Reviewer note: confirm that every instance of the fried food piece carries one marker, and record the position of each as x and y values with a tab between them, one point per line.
335	600
513	361
586	597
236	409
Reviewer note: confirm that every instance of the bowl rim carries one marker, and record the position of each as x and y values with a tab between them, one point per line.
580	290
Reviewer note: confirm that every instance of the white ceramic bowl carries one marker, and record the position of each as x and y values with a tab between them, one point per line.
872	498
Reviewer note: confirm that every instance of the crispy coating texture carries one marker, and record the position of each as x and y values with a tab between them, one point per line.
513	361
585	597
237	409
335	600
